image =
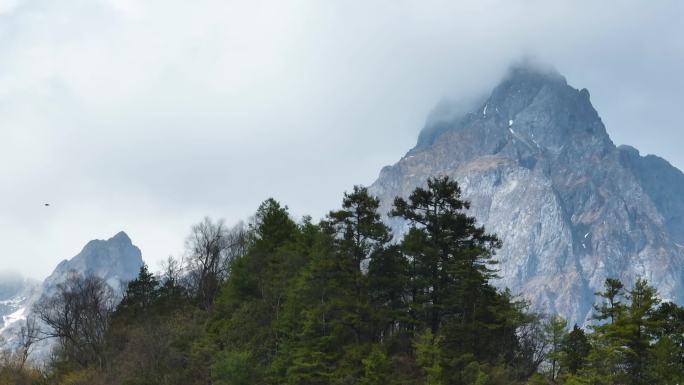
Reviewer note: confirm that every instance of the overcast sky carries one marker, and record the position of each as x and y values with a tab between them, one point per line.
145	116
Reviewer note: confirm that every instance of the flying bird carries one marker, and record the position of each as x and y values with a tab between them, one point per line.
47	204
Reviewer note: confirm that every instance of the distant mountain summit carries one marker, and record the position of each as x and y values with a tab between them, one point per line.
571	208
115	260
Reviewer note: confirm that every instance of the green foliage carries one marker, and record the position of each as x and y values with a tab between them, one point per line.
377	368
357	227
449	253
538	379
667	366
429	357
140	294
555	332
474	374
338	303
611	306
575	350
233	368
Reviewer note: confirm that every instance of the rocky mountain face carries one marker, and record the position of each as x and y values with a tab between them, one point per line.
536	163
115	260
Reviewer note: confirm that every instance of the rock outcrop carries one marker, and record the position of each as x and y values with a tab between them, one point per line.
536	163
115	260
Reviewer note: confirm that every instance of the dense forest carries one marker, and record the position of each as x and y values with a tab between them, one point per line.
279	301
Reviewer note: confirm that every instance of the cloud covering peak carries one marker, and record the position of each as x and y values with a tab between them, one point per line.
148	115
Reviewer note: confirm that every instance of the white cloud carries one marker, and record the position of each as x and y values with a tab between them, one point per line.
147	115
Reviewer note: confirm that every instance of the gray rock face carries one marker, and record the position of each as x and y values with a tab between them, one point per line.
571	208
115	260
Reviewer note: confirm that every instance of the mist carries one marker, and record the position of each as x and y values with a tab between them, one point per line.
145	116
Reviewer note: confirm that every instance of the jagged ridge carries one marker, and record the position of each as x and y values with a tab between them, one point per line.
115	260
540	170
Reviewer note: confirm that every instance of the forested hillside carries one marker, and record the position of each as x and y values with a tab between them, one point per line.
279	301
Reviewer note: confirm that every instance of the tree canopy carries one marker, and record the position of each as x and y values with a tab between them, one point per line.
342	301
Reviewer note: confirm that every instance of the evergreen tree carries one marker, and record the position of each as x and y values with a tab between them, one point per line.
272	227
250	307
555	332
377	368
670	322
140	293
666	362
333	306
450	265
611	306
606	359
317	325
640	328
336	303
358	229
575	348
429	357
359	235
623	345
452	255
388	285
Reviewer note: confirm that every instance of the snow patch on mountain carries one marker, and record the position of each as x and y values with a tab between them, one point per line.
571	208
115	260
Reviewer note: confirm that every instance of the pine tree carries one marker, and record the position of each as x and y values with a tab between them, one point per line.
140	293
611	306
449	268
359	236
248	313
452	255
606	359
623	342
333	309
272	227
357	226
377	368
317	324
555	332
640	329
666	362
388	286
429	357
670	319
575	348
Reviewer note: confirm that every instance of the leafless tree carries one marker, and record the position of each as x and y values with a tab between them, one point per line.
238	240
28	336
15	371
210	248
14	366
533	344
171	271
78	315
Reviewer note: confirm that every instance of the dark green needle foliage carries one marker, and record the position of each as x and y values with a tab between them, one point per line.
285	301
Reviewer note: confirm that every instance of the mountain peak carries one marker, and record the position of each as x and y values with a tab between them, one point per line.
525	84
539	169
532	105
527	71
114	260
120	237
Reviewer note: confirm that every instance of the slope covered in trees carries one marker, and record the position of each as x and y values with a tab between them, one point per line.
339	302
